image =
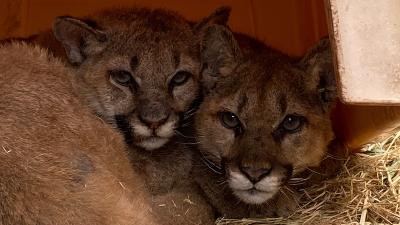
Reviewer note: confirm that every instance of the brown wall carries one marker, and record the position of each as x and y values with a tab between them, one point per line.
289	25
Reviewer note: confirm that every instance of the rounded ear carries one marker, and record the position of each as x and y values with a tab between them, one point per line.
318	63
78	38
219	16
220	54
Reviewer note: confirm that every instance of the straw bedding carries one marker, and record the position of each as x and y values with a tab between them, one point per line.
366	191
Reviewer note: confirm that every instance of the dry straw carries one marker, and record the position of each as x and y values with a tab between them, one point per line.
367	191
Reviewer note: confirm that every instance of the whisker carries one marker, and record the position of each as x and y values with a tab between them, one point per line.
185	136
189	115
210	167
298	180
187	143
193	110
331	156
210	162
220	183
315	172
186	124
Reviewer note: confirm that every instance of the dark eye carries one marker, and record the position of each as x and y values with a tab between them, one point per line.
180	78
230	121
292	123
122	77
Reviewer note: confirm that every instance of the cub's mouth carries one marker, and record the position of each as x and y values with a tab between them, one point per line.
147	136
254	196
254	185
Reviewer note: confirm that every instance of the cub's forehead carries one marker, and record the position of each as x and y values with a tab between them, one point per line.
158	20
266	86
263	77
152	44
149	25
140	29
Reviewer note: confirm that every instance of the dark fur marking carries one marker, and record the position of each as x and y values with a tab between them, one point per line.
282	103
242	103
84	165
289	171
125	128
177	59
134	63
257	139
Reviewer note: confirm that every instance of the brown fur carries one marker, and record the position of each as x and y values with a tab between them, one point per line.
60	164
262	88
163	43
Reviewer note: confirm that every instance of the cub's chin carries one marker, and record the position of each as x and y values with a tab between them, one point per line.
153	138
254	196
152	143
258	192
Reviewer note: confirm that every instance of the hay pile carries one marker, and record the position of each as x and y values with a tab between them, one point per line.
367	191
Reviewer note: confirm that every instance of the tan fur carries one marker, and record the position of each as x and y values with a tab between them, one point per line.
163	44
60	164
247	167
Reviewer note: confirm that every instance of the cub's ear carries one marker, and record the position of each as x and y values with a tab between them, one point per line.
220	54
219	16
319	67
78	38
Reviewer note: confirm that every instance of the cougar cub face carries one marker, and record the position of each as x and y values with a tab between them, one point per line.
265	118
137	68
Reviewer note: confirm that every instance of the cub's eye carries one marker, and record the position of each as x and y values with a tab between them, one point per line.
292	123
180	78
230	121
122	77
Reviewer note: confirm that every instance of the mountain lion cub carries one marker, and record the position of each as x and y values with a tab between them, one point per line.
139	69
266	118
60	164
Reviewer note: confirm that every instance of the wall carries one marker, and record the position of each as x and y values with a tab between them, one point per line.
289	25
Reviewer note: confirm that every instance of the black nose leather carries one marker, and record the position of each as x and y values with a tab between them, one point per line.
255	174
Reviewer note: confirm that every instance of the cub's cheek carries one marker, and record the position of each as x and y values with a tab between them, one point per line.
213	140
225	140
316	153
238	181
309	153
185	95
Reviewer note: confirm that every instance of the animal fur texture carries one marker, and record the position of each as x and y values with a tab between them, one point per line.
139	70
60	164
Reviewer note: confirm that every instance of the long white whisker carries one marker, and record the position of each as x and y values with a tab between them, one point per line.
188	143
180	133
210	167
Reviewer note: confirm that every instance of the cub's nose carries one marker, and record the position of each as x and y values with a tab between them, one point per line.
153	114
255	174
153	122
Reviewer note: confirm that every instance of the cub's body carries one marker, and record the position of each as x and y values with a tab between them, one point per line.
125	63
60	164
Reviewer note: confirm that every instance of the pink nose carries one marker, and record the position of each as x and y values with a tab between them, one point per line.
153	123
